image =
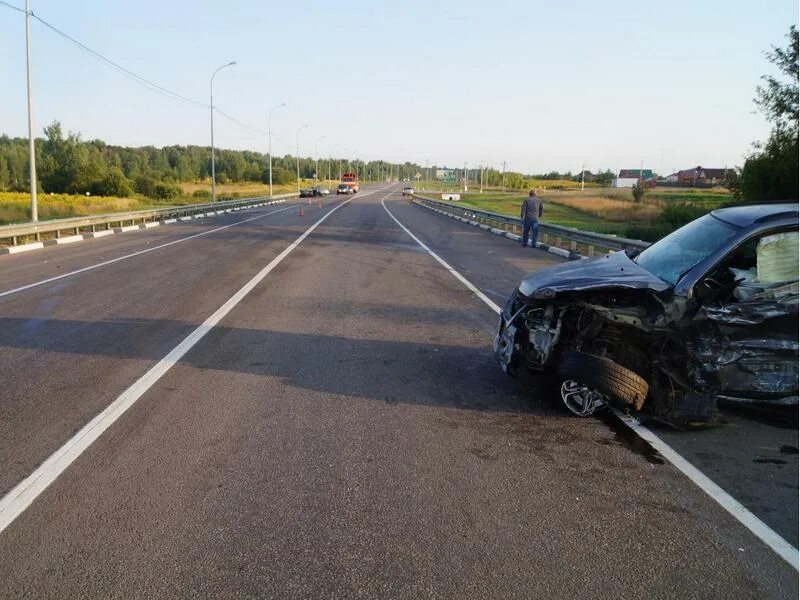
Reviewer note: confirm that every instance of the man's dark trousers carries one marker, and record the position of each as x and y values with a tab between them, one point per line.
530	228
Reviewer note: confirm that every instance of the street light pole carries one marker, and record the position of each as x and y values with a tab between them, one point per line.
330	158
297	140
316	151
213	165
31	140
269	143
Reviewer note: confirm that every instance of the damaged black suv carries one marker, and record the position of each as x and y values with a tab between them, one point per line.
708	312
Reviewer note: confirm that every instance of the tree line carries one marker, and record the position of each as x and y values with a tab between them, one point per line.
67	164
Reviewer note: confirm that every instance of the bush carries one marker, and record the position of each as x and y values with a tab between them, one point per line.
638	191
113	184
672	217
679	214
771	172
145	185
165	191
280	176
201	194
222	177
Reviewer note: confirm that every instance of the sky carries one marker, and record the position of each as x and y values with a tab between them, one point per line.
537	84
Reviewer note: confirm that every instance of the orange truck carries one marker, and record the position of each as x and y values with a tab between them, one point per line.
351	181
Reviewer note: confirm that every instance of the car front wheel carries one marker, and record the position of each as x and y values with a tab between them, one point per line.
598	375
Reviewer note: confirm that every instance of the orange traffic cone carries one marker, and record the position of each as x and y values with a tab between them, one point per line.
320	203
309	201
301	213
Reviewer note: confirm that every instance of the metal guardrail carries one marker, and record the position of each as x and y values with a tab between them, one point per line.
16	234
569	238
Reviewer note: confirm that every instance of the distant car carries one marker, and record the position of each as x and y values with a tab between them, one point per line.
708	312
321	191
343	188
408	191
307	193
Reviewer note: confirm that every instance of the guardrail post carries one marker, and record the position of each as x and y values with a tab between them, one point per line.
558	241
590	250
573	245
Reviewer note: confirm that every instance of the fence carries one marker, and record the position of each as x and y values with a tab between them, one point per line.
575	241
12	235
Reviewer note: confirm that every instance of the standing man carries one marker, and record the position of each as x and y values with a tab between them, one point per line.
530	214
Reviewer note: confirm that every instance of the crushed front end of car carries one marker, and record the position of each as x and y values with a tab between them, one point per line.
609	331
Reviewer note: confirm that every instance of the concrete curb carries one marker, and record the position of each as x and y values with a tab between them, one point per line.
105	232
507	234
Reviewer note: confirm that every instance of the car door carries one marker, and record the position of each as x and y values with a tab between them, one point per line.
743	337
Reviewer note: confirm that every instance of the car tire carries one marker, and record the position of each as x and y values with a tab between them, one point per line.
605	376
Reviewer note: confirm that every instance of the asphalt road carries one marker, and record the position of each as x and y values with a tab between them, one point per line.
342	431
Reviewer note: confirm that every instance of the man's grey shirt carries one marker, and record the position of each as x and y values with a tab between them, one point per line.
531	209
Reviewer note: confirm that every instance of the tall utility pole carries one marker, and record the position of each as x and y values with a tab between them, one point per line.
481	178
31	141
297	158
504	176
213	166
269	134
465	177
316	149
583	173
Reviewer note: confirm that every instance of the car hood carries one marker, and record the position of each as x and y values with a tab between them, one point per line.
614	270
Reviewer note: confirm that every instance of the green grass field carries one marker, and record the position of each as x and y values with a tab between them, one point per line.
605	210
15	206
556	214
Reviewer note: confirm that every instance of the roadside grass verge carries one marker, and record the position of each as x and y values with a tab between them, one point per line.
251	188
611	211
15	207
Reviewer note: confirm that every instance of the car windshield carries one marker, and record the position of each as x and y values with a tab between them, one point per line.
674	255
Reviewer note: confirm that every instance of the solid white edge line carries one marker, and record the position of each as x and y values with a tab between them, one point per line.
23	494
138	253
442	262
755	525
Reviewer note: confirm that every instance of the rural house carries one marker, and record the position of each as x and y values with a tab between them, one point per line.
628	177
702	176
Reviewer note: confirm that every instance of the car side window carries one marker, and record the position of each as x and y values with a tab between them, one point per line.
760	265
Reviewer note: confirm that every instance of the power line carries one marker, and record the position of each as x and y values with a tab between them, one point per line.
240	123
16	8
153	86
130	74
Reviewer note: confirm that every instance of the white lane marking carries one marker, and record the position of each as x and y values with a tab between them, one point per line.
18	499
755	525
442	262
138	253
